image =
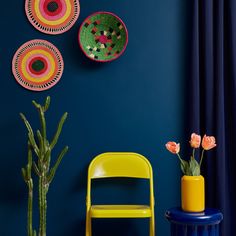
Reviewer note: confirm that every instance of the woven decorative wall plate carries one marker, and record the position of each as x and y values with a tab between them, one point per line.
52	16
37	65
103	36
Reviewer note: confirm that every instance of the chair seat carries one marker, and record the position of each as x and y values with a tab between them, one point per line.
120	211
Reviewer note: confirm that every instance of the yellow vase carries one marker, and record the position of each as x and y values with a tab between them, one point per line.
193	193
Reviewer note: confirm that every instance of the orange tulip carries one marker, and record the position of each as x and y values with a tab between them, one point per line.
208	142
195	140
173	147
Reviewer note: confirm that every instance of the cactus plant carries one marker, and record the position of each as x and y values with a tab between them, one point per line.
42	149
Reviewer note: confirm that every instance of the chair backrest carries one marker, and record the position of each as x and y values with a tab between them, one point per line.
120	164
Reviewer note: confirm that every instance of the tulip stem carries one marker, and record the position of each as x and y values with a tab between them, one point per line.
193	153
201	158
180	158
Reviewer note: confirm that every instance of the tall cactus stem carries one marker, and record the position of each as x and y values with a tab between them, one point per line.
59	128
43	150
26	173
30	212
42	206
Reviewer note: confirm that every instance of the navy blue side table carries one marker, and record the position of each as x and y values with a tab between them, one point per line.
194	224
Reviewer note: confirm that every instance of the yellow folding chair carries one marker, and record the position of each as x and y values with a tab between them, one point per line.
119	164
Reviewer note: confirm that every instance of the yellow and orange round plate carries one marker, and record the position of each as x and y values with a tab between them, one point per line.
37	65
52	16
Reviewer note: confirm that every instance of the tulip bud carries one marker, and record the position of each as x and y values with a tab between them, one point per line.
208	142
173	147
195	140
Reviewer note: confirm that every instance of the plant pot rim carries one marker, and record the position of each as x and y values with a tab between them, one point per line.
192	177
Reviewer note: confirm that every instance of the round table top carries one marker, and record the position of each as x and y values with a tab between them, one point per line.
207	217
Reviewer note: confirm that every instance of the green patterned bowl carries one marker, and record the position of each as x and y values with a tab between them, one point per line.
103	36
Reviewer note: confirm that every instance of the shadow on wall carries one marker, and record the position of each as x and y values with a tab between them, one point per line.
108	227
11	182
81	184
77	57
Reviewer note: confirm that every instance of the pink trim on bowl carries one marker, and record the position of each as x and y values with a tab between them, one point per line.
118	18
22	47
53	32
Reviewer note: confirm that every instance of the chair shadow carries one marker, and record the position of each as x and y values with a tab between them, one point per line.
106	227
81	184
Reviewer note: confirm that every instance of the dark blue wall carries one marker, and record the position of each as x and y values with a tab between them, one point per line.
132	104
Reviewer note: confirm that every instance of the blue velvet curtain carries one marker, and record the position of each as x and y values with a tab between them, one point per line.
212	99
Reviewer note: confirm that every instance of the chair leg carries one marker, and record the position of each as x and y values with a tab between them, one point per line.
152	226
88	225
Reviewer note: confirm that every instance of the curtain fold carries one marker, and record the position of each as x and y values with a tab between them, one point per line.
212	93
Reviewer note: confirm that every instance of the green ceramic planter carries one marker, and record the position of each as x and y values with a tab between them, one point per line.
103	36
